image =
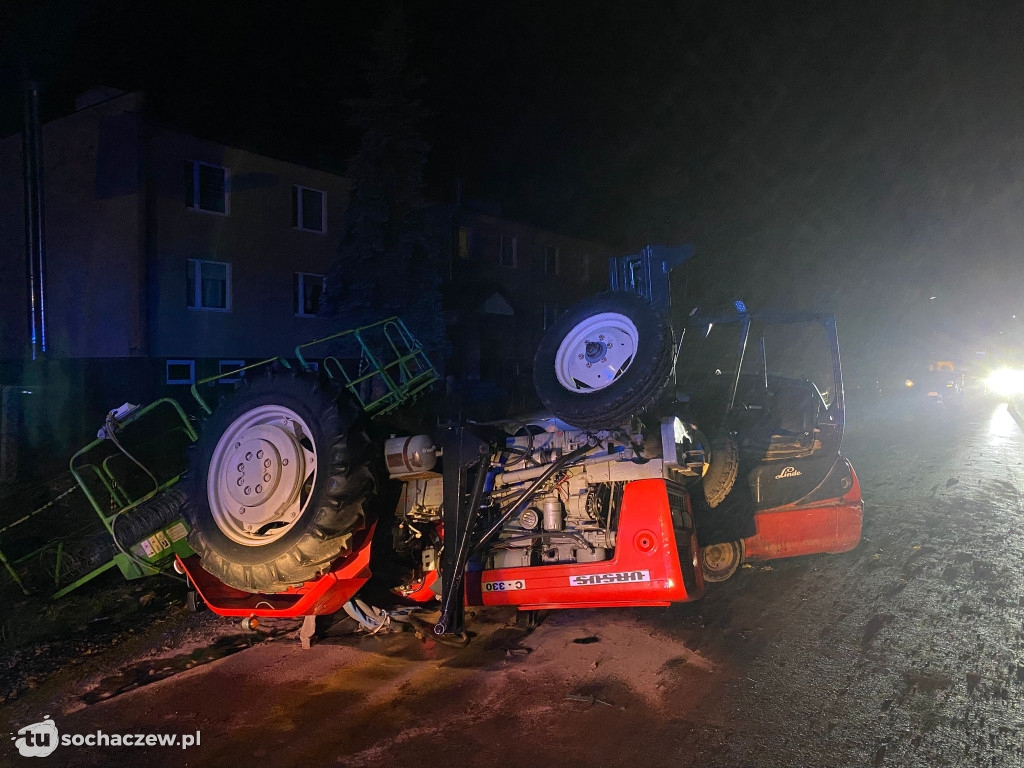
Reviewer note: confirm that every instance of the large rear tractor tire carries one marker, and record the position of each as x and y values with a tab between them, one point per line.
604	360
276	483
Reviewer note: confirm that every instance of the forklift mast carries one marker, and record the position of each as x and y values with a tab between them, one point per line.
648	274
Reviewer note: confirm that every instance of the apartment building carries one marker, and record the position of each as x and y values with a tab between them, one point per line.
167	258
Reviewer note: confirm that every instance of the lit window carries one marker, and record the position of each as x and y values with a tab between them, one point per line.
208	285
229	366
550	260
308	209
206	187
463	243
181	371
309	288
508	251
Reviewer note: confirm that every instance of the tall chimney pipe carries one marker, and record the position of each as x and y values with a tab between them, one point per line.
35	240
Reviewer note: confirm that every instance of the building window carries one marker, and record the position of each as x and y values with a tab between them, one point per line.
309	209
206	187
208	285
227	366
508	251
584	267
550	260
181	371
463	243
309	288
550	314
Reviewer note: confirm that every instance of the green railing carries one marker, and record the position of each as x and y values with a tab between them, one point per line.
390	364
97	461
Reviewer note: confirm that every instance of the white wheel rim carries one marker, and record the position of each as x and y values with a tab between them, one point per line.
596	352
721	560
261	474
719	557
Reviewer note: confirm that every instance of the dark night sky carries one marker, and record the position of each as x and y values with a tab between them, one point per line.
859	157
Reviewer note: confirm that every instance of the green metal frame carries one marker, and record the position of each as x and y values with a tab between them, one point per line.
9	564
400	366
232	374
139	563
391	368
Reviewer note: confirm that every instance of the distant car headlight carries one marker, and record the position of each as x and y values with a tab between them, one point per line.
909	383
1006	382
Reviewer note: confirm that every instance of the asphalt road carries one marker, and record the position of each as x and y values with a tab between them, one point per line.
908	651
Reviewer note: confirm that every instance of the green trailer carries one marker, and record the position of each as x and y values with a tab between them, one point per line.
130	474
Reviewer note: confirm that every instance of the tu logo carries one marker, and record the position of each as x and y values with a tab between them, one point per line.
38	739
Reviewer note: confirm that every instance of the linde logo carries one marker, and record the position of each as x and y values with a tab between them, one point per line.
623	577
788	472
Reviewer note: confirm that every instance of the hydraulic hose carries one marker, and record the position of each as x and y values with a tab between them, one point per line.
528	494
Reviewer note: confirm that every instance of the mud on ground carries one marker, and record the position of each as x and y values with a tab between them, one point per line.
908	651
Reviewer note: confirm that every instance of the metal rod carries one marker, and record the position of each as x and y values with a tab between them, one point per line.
31	127
764	362
452	588
40	223
529	493
839	399
741	353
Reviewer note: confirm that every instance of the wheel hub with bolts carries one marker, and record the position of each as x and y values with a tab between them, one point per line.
722	560
718	556
258	466
596	352
260	473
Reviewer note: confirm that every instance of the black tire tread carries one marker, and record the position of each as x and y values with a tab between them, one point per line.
725	465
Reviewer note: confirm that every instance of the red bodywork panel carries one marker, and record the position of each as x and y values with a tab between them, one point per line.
323	595
655	563
421	591
832	526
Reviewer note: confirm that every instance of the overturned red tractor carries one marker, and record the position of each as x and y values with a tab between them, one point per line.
668	454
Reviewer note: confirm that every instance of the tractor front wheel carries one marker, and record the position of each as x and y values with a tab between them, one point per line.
605	359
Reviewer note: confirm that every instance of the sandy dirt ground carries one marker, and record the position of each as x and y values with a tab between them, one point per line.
908	651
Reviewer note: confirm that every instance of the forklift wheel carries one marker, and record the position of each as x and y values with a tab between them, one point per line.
720	561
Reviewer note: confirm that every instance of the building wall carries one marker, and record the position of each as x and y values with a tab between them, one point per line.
499	312
534	294
118	236
93	228
255	237
13	286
